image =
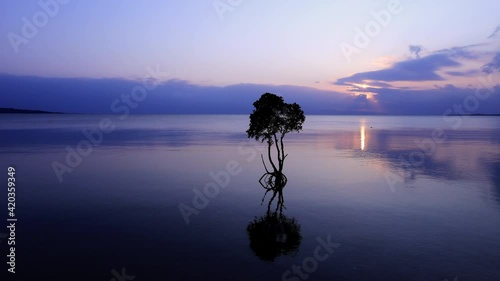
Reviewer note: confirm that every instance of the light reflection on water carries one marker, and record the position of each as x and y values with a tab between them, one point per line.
120	206
363	137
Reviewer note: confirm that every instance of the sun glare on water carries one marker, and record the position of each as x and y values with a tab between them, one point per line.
363	137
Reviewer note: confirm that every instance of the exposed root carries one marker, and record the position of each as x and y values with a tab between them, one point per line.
274	182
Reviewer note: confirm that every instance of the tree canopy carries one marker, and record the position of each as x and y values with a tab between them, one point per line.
273	116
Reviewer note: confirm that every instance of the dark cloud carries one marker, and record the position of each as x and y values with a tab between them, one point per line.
449	87
492	66
495	33
462	52
467	73
171	97
415	49
182	97
423	69
435	101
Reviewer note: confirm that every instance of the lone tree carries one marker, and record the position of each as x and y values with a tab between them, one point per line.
270	121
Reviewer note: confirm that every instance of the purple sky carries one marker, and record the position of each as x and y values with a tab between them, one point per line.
333	57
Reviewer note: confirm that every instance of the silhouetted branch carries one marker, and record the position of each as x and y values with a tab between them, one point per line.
282	152
264	197
265	167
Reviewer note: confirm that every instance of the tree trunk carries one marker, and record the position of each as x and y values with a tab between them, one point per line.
280	160
269	155
282	152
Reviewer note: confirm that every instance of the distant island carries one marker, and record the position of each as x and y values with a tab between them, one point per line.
26	111
474	114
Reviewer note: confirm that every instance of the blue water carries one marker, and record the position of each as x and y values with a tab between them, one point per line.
402	198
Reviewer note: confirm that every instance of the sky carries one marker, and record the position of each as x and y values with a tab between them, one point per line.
206	56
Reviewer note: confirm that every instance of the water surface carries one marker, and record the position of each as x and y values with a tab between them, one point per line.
400	204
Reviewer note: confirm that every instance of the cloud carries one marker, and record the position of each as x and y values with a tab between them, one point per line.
462	52
495	33
183	97
466	73
380	84
175	96
434	101
492	66
423	69
415	49
449	87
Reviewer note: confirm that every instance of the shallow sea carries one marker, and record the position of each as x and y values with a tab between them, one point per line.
400	197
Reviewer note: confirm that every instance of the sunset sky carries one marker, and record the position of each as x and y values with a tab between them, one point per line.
417	57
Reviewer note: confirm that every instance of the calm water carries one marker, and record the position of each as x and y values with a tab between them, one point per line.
398	204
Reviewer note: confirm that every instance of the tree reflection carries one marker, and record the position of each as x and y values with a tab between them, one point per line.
274	234
275	182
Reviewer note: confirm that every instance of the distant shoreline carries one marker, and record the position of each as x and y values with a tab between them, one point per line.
32	111
477	114
26	111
